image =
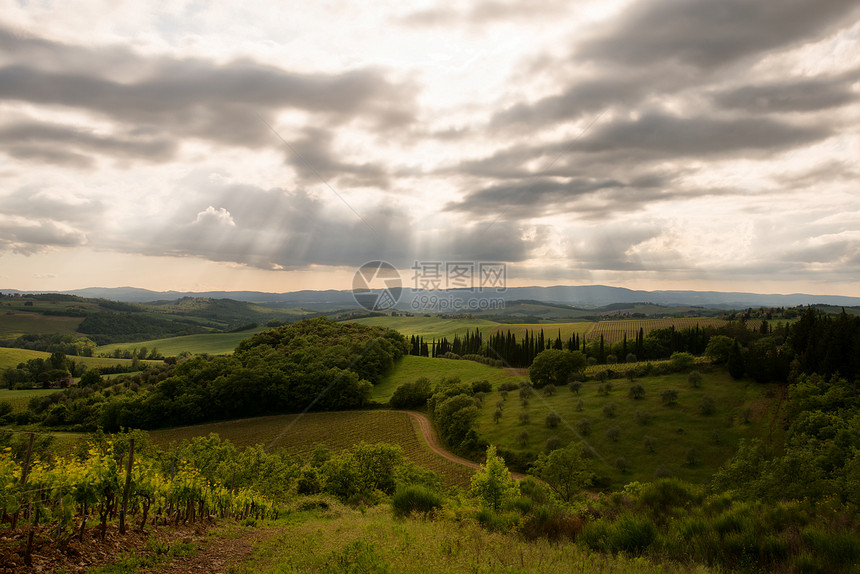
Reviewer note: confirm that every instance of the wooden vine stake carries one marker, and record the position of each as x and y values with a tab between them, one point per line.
127	486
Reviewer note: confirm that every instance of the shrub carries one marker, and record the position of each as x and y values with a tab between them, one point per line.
584	427
611	359
504	395
630	358
524	417
549	390
552	420
409	395
622	464
669	397
482	387
643	417
746	414
509	386
613	433
695	379
497	416
681	362
707	406
553	443
415	498
692	456
602	376
524	403
574	387
649	443
609	409
637	392
523	438
526	391
663	471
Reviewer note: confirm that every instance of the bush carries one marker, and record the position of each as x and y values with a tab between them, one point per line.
649	443
630	358
612	433
643	417
523	438
637	392
663	471
669	397
584	427
681	362
609	409
692	456
509	386
410	395
524	417
622	464
707	406
631	534
549	390
482	387
574	387
414	498
553	443
695	379
497	416
552	420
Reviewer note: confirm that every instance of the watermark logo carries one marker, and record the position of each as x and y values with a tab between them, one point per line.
376	286
438	286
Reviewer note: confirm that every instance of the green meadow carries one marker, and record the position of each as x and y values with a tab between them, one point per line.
14	324
682	441
208	343
430	327
410	368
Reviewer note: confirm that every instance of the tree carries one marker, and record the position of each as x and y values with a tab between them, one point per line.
695	379
492	484
613	433
707	406
609	409
682	362
636	392
736	362
718	349
552	420
564	471
555	366
669	397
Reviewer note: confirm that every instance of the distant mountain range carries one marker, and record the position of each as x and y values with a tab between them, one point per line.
580	296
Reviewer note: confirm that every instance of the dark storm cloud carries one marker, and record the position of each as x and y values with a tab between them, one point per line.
174	98
578	195
32	236
663	135
802	95
65	145
313	158
707	34
611	248
35	203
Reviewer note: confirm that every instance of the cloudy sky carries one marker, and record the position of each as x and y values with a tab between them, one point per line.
653	144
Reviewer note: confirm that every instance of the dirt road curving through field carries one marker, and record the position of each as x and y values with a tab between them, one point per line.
429	433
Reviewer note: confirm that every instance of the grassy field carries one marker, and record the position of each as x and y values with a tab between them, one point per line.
342	539
410	368
13	324
10	357
430	327
211	343
20	399
674	429
298	435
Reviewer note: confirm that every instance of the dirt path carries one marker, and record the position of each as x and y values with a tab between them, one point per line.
216	555
429	434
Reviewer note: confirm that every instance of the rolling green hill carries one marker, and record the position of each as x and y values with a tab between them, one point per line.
674	429
210	343
429	327
410	368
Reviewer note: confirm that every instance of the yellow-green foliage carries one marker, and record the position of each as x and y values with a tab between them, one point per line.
374	541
